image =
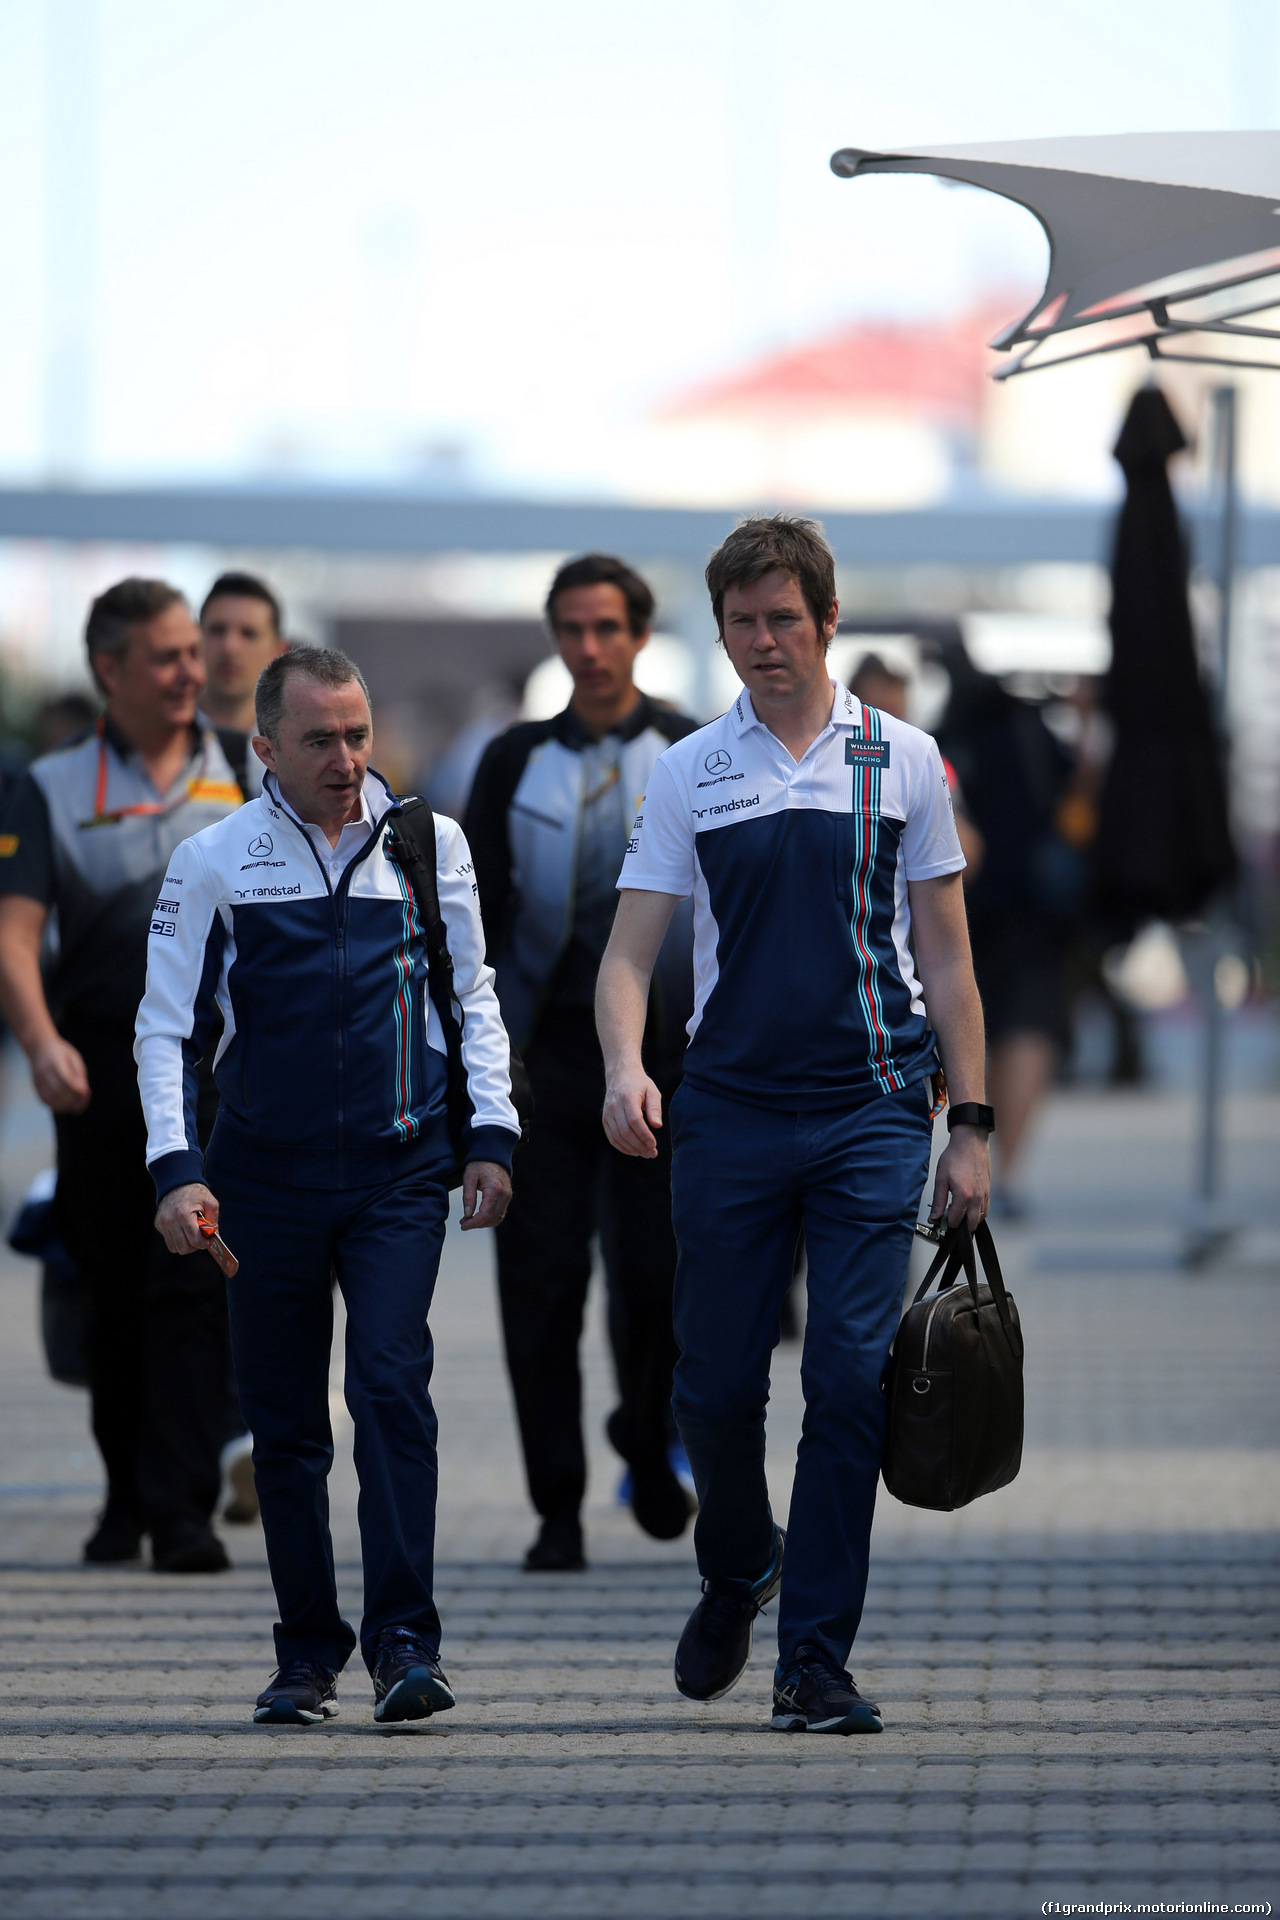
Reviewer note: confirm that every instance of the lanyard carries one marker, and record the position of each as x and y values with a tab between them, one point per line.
196	788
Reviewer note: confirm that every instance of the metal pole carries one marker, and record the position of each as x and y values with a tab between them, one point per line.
1210	1230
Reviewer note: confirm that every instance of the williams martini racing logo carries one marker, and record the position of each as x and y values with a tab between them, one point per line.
866	753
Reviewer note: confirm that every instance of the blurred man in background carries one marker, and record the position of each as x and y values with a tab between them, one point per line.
1024	903
240	629
89	836
547	824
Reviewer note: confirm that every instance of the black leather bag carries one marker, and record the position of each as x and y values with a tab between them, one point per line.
954	1383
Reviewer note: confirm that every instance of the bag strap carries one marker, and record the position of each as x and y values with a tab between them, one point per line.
956	1256
411	843
991	1267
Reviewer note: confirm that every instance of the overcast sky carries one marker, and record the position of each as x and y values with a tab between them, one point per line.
296	235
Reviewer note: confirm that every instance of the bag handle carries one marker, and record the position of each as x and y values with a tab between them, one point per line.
991	1267
956	1255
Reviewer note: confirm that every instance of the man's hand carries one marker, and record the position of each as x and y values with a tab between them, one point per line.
176	1217
60	1077
964	1172
486	1193
632	1107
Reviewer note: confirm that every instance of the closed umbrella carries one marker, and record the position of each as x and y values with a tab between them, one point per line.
1164	842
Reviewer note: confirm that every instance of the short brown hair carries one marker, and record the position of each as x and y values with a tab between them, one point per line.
130	603
768	540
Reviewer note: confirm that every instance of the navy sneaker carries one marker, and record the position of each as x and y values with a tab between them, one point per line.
408	1680
716	1642
299	1695
812	1696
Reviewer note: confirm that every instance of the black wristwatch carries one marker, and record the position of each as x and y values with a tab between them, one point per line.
971	1113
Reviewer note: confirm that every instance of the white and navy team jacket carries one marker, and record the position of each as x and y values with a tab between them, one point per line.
805	990
331	1063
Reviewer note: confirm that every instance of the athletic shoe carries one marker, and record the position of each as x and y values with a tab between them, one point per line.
116	1539
716	1642
558	1547
408	1680
812	1696
239	1496
678	1461
188	1548
654	1495
300	1694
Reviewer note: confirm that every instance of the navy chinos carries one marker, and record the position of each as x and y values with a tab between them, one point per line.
745	1180
382	1240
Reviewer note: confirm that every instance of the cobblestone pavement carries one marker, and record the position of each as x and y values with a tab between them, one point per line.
1078	1674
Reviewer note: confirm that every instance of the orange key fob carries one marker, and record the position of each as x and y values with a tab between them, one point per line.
218	1247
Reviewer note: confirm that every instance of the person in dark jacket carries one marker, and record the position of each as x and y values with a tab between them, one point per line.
548	824
87	841
332	1155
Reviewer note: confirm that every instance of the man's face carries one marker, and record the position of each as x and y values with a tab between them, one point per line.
321	752
772	638
595	640
239	640
158	679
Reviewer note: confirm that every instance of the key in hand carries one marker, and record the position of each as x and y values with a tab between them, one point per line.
218	1247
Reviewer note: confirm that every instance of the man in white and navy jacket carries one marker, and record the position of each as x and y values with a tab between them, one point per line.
331	1154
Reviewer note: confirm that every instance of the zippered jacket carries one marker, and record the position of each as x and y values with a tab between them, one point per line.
331	1063
523	822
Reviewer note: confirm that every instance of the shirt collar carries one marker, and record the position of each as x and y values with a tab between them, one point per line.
570	731
376	801
125	750
846	710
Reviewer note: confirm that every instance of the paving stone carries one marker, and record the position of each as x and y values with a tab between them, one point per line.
1078	1674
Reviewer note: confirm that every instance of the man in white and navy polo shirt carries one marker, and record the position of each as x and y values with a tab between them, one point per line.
816	838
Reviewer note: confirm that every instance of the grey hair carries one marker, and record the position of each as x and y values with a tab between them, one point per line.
325	665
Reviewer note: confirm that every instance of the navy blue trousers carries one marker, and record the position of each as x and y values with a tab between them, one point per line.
383	1242
745	1179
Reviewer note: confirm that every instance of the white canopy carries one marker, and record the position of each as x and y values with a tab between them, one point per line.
1179	232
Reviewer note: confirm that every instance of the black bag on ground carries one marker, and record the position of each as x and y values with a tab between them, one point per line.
954	1383
412	845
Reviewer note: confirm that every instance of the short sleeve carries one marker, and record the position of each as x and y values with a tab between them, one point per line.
26	845
660	852
930	843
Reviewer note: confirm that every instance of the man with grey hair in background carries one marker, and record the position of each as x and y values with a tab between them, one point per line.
86	846
336	1140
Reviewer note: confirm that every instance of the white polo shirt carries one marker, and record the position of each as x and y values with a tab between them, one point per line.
805	989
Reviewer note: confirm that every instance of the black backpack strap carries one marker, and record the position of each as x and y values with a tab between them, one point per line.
411	843
235	751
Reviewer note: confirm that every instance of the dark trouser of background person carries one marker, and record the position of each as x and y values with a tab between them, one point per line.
1019	962
567	1181
383	1240
745	1180
155	1329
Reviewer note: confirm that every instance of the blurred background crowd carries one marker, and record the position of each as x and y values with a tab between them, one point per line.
287	297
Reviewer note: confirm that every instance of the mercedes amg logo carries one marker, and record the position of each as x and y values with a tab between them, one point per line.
261	846
718	762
